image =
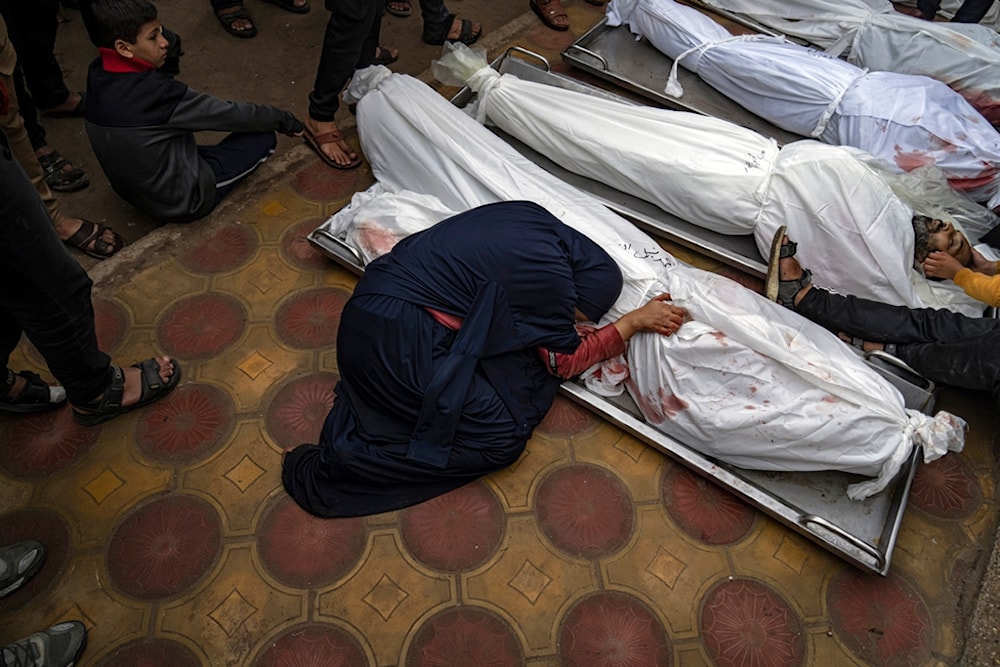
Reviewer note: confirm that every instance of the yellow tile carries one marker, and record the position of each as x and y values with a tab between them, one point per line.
531	583
155	289
241	478
637	464
264	283
234	615
516	485
824	649
386	598
660	563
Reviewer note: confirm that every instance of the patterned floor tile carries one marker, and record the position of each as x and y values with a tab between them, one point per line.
201	326
613	629
465	636
222	251
190	424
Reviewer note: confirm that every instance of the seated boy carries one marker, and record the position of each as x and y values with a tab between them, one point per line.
141	123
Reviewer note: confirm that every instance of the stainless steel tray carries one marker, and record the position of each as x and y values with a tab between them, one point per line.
813	504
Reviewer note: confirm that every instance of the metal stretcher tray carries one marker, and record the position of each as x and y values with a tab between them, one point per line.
613	54
814	504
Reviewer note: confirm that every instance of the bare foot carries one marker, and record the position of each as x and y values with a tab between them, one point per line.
68	107
69	226
337	150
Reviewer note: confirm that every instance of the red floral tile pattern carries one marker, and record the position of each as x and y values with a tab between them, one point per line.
151	653
608	629
201	326
702	509
310	318
747	624
313	646
585	510
52	531
881	620
297	411
111	323
299	251
946	488
465	636
164	547
303	551
566	418
44	443
187	425
322	183
228	248
456	531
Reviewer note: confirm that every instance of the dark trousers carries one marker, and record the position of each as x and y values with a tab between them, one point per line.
352	34
32	29
435	15
940	345
236	157
46	293
971	11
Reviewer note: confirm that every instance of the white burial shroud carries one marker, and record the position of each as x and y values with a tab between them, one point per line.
746	381
853	231
907	121
875	36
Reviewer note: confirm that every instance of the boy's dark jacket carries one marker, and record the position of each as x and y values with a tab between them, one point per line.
141	125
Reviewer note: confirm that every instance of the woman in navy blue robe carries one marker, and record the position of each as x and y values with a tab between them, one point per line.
450	353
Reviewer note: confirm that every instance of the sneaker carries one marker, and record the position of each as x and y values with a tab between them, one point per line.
18	563
59	646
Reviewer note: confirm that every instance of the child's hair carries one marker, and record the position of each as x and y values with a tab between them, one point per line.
120	19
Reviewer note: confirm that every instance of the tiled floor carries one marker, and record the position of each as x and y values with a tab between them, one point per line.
170	537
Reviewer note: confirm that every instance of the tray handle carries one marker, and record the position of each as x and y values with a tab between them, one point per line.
530	54
876	555
591	54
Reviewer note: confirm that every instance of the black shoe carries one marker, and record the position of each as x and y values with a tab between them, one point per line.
58	646
18	563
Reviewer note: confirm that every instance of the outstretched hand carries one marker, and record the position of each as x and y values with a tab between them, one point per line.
940	264
657	315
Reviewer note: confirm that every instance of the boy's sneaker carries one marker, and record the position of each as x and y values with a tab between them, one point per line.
59	646
18	563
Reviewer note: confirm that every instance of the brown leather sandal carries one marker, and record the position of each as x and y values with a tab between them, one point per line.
317	141
550	12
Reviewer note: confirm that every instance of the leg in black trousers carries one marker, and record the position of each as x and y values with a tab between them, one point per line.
351	38
940	345
972	11
32	27
51	303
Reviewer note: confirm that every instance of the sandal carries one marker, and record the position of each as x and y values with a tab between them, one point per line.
466	35
775	289
228	20
859	343
317	141
290	6
93	232
36	396
550	12
62	175
109	405
76	111
384	56
403	13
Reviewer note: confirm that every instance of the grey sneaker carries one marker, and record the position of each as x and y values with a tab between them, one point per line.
18	563
59	646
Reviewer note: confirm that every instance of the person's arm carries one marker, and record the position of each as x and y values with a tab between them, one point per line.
201	111
980	280
596	345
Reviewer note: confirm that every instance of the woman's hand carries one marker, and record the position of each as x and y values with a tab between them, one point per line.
940	264
656	316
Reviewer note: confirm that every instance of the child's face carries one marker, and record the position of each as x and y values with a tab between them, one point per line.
150	45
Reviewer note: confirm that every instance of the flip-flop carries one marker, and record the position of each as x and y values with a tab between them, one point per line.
317	141
229	18
384	56
402	13
549	12
91	231
289	6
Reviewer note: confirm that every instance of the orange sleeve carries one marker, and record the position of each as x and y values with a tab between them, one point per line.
596	345
980	286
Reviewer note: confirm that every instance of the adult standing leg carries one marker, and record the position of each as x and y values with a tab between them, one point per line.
441	26
972	11
234	17
350	42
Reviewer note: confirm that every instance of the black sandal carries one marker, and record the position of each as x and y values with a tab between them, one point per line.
402	13
384	56
93	232
70	180
465	34
109	405
290	6
775	289
36	396
229	18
